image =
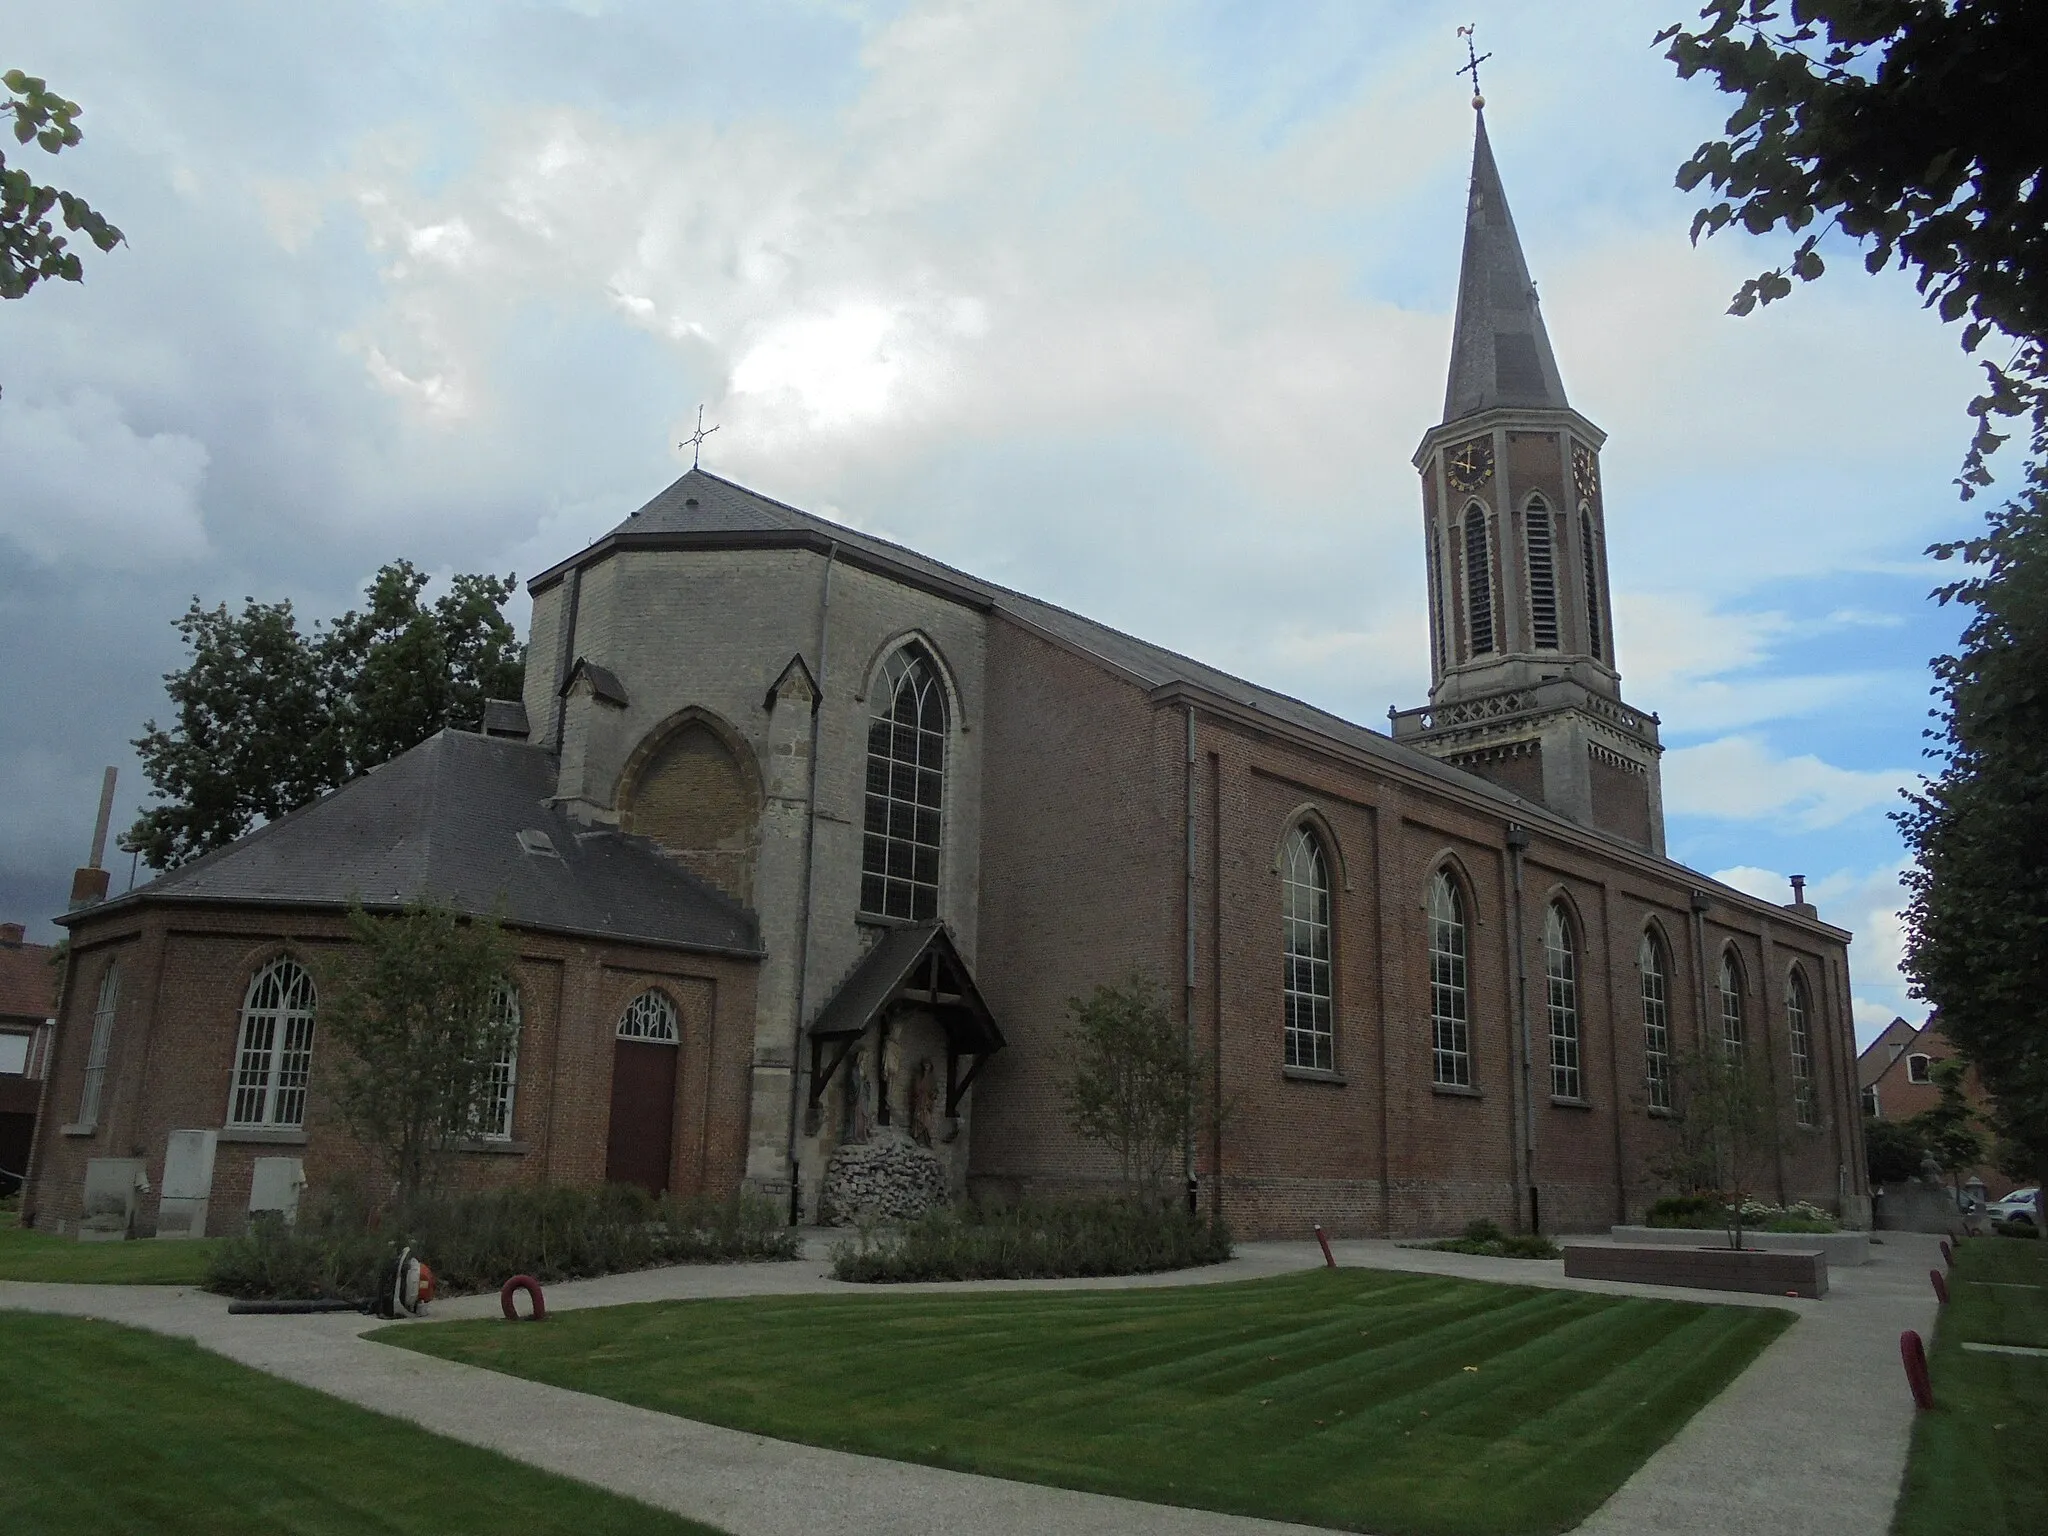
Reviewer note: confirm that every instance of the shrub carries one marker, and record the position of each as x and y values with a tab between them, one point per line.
1033	1241
1705	1211
2015	1229
476	1242
1486	1240
1484	1230
1698	1209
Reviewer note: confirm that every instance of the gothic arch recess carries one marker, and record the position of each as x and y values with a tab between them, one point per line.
1309	815
692	786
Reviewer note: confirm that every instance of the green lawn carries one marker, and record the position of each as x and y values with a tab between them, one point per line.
1976	1461
41	1256
1351	1398
107	1429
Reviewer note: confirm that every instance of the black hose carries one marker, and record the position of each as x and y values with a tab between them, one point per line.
260	1308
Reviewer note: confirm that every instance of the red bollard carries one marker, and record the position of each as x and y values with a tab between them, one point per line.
1329	1258
1940	1286
1948	1254
512	1288
1914	1354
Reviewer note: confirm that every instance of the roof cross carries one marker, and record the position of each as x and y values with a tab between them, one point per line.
1475	58
696	438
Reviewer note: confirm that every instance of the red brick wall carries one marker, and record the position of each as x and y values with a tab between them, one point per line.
185	973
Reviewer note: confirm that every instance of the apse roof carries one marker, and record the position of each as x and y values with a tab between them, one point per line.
465	819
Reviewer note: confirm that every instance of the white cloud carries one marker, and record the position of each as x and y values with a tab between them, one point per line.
1738	778
81	484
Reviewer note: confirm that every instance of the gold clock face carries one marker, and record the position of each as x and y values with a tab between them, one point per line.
1585	472
1470	465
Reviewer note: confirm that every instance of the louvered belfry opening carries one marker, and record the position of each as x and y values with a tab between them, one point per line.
1542	575
1479	581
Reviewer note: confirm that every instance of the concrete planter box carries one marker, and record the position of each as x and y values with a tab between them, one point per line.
1842	1248
1707	1269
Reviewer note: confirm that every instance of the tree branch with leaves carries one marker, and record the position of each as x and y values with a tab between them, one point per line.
32	248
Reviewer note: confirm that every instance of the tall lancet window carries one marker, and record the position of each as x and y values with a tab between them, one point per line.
1449	1003
899	870
1305	912
1592	563
1561	979
1479	579
1542	575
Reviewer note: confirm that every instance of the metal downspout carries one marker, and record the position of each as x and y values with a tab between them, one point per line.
1188	978
803	943
1518	842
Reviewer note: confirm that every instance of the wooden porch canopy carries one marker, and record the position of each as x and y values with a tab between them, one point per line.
915	966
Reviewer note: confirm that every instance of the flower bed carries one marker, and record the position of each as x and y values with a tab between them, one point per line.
1708	1212
1486	1239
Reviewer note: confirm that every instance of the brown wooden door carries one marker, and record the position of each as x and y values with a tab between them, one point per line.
643	1114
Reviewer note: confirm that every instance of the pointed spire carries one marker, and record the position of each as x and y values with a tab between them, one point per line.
1499	352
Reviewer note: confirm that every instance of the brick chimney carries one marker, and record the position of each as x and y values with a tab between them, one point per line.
11	935
89	885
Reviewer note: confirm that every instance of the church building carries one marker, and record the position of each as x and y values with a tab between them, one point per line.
807	839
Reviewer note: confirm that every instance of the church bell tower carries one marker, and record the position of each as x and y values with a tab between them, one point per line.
1523	684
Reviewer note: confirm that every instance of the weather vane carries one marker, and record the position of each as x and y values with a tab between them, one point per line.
696	438
1475	58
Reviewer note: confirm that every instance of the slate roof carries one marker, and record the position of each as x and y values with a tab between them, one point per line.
28	982
1500	353
888	963
701	509
447	819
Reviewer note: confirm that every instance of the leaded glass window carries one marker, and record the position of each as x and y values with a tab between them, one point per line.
1799	1032
1449	1015
1306	988
104	1007
503	1083
651	1017
905	786
274	1059
1561	979
1731	1005
1656	980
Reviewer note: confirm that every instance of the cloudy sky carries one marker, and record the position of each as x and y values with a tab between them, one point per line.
1140	307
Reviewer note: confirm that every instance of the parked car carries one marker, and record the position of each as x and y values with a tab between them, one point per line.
2020	1205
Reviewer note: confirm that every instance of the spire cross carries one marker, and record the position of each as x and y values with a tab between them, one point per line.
696	438
1474	59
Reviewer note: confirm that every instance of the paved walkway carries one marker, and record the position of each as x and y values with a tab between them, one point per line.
1812	1438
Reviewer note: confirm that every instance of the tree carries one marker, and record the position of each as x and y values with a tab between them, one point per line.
268	718
1977	917
1892	1151
1949	1130
1727	1128
1135	1087
417	1013
1913	127
31	248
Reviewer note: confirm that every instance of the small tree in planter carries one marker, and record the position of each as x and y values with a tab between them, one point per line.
1135	1087
1727	1128
416	1009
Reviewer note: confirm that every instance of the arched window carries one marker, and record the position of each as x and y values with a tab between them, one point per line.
1656	1018
1479	579
1590	557
1539	537
103	1009
1449	1015
1561	980
906	780
1305	920
1731	1005
1799	1033
274	1059
650	1017
503	1082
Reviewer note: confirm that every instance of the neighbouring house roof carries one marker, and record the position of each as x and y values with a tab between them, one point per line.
28	983
1898	1040
467	820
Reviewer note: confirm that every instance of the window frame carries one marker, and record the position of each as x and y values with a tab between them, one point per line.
884	810
1734	1019
284	1076
1561	1003
1450	983
501	1087
1653	965
1799	1044
105	1008
1919	1068
661	1011
1305	868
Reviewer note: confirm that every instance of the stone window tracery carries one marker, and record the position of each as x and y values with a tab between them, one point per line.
1656	993
1449	1002
274	1058
651	1017
1561	981
1307	985
905	789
